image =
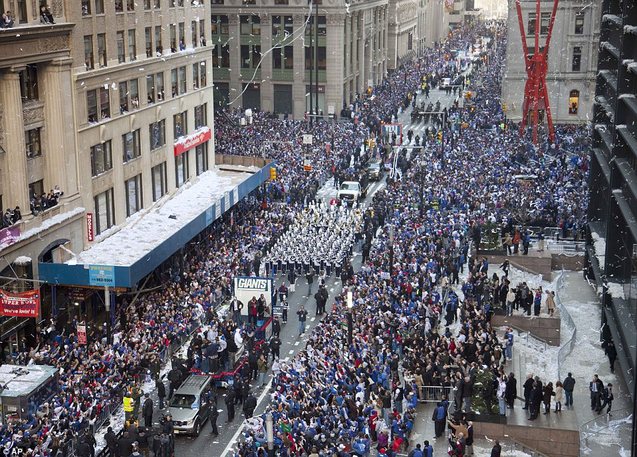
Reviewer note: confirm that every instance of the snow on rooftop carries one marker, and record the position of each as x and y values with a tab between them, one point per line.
20	380
147	229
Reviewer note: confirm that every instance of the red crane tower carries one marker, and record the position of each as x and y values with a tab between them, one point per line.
536	96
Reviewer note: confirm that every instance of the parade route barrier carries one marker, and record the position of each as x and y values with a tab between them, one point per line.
433	394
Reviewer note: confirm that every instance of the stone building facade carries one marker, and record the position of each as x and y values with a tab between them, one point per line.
352	52
572	60
112	104
403	30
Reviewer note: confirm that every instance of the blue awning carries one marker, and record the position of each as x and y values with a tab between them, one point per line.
100	266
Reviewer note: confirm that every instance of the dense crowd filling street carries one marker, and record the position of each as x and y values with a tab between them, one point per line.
336	396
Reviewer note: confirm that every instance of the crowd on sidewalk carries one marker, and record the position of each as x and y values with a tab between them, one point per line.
334	397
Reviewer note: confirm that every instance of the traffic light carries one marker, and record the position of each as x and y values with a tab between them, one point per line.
272	174
439	135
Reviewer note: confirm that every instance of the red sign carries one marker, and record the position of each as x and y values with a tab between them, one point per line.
81	334
188	142
23	304
90	235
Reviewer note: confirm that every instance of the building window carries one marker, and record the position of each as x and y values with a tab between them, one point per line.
105	103
182	37
101	49
130	5
180	125
157	4
282	26
132	45
36	190
579	23
29	83
201	156
128	96
250	25
98	108
283	58
219	24
181	169
157	134
148	34
199	75
101	158
86	7
322	25
221	56
173	38
121	56
89	63
130	146
99	6
193	32
104	211
159	48
155	87
147	4
201	116
202	32
134	200
178	81
33	144
250	55
119	6
573	101
159	181
577	59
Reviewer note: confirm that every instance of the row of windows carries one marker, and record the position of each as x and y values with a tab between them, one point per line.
88	6
545	19
282	58
102	155
250	25
254	2
133	187
98	101
126	41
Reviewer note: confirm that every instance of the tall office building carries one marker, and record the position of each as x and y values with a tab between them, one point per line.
110	107
572	60
264	52
612	244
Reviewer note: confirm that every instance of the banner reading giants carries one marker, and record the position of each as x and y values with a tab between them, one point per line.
23	304
246	287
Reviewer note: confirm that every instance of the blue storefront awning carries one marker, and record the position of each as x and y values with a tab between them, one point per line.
122	259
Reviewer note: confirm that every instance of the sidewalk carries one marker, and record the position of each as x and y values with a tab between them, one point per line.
600	435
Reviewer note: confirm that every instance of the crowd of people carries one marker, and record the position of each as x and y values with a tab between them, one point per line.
341	396
335	397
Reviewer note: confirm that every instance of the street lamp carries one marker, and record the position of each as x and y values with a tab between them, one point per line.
269	429
350	323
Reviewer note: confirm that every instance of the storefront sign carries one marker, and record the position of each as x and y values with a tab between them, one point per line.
22	304
81	334
101	275
9	236
193	140
90	235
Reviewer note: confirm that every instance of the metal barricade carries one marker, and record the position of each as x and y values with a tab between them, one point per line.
433	394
